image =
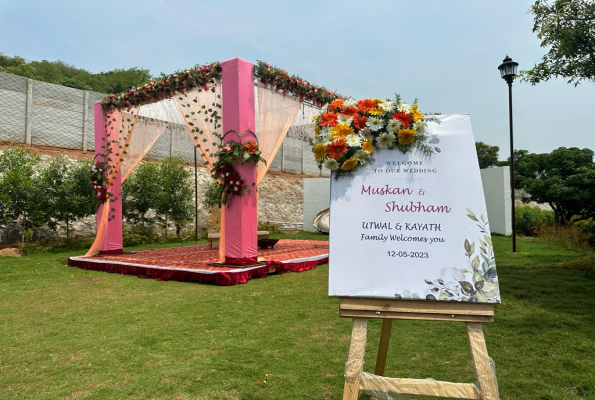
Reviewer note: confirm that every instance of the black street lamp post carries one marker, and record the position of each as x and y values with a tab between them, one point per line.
508	70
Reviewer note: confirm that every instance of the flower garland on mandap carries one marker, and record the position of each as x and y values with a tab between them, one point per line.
230	182
348	132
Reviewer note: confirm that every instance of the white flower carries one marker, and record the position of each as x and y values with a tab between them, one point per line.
235	188
375	124
404	107
362	156
393	126
420	127
237	182
331	164
349	103
353	140
367	134
385	140
388	105
343	119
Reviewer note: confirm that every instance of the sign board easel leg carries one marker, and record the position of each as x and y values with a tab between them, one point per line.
361	309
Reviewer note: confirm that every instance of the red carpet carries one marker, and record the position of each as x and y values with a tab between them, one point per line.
190	263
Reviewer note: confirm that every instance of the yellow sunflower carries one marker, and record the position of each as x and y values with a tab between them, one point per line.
405	136
416	114
350	163
376	111
341	131
319	152
368	146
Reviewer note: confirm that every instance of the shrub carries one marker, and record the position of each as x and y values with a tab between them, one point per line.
586	264
588	227
140	234
272	228
567	237
529	220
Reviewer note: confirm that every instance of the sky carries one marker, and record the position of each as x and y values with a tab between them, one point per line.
445	53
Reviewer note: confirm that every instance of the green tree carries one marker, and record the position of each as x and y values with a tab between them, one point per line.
565	179
526	165
118	80
486	155
68	195
20	190
174	202
140	193
567	28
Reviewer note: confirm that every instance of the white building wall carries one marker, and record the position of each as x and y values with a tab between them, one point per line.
317	197
496	188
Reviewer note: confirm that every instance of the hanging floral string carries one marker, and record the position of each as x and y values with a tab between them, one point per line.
230	182
278	79
168	87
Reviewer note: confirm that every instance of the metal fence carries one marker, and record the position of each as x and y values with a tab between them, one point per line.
43	114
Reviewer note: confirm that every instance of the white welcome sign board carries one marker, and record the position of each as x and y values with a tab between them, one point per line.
409	226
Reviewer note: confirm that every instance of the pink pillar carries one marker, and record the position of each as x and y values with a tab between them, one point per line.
112	240
240	218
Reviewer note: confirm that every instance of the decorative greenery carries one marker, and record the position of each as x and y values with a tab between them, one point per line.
229	181
567	29
348	132
278	79
477	282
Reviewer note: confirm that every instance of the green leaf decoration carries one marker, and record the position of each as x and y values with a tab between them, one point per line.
467	287
471	215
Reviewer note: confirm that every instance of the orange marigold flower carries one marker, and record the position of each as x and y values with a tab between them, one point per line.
405	136
366	105
349	111
368	146
328	119
359	121
336	104
350	163
341	131
336	148
251	147
403	117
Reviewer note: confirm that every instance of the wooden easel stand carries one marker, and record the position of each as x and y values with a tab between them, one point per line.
473	314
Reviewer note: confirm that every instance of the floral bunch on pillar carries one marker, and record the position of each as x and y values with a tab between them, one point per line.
229	181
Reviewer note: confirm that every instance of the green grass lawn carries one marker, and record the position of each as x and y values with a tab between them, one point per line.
73	334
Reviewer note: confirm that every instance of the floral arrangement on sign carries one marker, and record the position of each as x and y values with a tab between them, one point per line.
229	181
348	132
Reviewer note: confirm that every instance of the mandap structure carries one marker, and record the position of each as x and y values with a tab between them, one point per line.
229	107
